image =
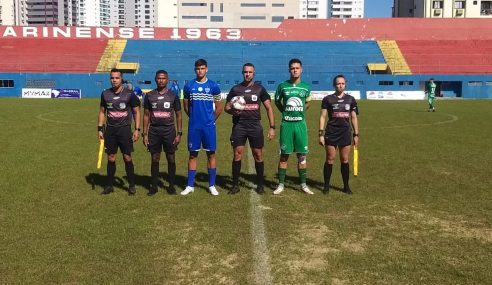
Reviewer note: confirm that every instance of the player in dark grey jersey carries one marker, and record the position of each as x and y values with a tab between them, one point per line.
118	106
341	110
161	106
247	125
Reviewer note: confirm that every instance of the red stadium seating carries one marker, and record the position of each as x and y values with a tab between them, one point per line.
50	55
448	56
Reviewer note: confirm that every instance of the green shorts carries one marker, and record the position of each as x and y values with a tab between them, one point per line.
430	100
293	137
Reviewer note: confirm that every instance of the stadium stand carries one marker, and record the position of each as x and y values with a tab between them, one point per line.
448	56
50	55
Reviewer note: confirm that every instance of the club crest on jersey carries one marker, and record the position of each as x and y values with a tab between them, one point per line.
207	90
294	104
254	98
122	105
167	104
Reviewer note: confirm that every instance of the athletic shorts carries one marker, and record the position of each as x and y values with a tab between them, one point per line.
202	138
338	137
293	137
247	130
121	137
430	99
161	138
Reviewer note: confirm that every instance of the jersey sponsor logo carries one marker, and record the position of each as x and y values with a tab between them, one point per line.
254	98
117	114
291	118
341	114
167	104
154	105
116	98
294	104
160	97
251	107
110	105
162	114
247	91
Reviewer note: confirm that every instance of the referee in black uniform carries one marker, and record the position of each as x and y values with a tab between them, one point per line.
342	112
247	125
118	106
161	105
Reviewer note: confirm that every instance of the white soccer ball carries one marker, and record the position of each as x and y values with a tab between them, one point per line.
238	103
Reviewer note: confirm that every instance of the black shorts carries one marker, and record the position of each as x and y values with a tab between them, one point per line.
161	138
338	137
121	137
247	130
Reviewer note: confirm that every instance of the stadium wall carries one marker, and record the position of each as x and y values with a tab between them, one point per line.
91	85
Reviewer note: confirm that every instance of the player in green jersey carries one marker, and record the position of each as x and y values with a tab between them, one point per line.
430	91
292	99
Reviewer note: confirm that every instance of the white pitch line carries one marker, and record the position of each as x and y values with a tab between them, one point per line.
258	233
453	119
41	117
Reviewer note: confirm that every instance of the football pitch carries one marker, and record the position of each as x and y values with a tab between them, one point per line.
421	212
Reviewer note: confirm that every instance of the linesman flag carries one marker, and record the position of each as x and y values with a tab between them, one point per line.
100	153
356	161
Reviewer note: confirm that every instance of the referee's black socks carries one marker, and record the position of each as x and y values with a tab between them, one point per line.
344	168
111	169
130	173
171	171
154	172
260	169
236	170
327	168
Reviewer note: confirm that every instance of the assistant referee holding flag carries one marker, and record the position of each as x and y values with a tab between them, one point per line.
118	106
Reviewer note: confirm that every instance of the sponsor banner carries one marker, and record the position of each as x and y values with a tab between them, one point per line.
36	93
319	95
395	95
66	93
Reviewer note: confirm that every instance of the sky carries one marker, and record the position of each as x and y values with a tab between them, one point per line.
377	8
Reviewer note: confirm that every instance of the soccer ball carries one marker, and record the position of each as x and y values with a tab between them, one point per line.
238	103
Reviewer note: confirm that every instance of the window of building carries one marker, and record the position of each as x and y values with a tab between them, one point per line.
405	83
278	5
277	18
186	17
271	82
459	4
193	4
258	82
222	7
6	83
384	82
216	19
253	5
315	82
253	17
211	7
475	83
437	4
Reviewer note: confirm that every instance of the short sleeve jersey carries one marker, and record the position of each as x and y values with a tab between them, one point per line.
162	107
201	97
119	106
253	95
339	110
293	98
431	89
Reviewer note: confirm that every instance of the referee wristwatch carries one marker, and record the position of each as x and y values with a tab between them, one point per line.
180	133
272	127
355	135
137	129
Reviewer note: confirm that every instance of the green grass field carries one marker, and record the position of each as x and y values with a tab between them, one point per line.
421	212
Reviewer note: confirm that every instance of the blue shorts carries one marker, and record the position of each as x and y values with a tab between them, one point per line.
205	138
